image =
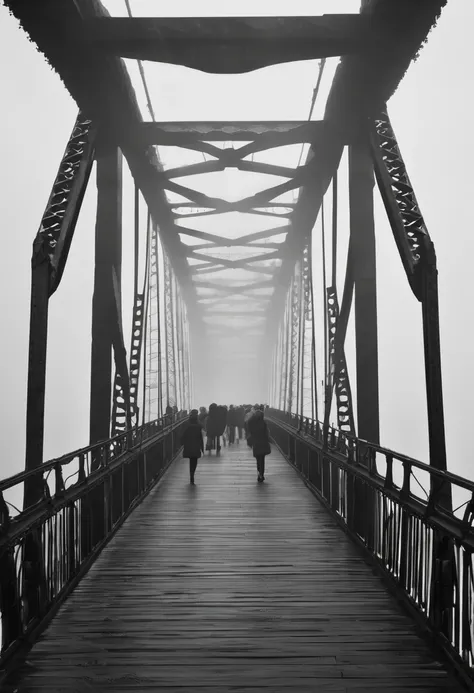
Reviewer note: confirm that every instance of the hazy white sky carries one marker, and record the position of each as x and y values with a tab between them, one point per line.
431	116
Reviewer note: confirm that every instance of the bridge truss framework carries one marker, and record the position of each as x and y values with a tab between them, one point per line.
168	318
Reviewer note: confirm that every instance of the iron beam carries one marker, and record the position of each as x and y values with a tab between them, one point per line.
229	45
102	88
108	253
361	86
50	251
40	281
361	186
434	383
179	134
221	242
419	260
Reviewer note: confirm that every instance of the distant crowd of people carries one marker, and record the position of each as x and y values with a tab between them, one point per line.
232	424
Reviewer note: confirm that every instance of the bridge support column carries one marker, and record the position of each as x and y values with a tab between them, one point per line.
361	187
434	384
108	258
35	398
361	181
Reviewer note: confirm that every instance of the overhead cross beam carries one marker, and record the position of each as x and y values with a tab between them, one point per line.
264	136
183	134
227	45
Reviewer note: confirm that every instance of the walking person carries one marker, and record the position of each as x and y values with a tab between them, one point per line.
249	412
259	439
231	423
202	416
193	443
221	425
240	414
212	426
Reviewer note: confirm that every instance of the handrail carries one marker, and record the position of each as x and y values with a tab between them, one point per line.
336	437
424	550
47	547
20	477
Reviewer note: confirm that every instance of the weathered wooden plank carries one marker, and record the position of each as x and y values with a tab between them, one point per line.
228	584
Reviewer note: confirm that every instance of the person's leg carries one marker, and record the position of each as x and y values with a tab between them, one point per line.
262	467
259	466
192	468
218	443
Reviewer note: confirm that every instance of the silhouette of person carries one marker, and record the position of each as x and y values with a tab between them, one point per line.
231	423
193	443
260	441
212	427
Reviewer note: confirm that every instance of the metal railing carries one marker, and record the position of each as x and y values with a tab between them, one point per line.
46	548
424	548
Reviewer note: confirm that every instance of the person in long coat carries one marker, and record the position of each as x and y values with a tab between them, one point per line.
212	427
240	423
221	424
231	423
249	412
193	443
260	441
202	416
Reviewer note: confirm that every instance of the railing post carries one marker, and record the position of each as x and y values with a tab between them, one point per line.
71	540
34	582
442	584
9	592
404	526
107	505
334	486
9	599
388	483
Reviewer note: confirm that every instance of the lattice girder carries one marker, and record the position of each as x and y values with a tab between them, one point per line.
338	373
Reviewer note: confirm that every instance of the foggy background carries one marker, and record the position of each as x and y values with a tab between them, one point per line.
428	112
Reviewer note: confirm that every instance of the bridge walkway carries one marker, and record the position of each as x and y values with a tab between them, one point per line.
231	585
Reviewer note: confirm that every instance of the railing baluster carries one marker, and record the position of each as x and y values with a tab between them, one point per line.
71	524
413	540
425	549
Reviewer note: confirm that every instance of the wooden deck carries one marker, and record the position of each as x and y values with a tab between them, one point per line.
231	585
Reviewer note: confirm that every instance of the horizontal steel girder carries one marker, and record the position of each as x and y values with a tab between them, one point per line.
180	134
227	45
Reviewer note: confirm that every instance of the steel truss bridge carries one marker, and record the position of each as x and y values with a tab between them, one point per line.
253	291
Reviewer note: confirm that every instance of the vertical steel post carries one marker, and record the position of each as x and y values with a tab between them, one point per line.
294	341
40	274
108	256
434	383
361	181
50	252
